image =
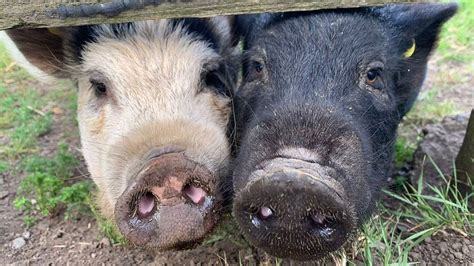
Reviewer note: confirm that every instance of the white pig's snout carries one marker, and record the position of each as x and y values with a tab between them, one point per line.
172	202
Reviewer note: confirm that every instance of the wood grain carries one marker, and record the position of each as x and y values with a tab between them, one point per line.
44	13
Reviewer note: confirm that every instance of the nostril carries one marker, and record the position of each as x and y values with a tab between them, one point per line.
265	212
146	204
195	194
327	233
323	226
262	216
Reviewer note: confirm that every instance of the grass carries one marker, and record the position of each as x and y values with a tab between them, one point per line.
404	151
48	188
456	40
25	117
227	229
380	239
442	207
422	211
22	120
45	187
106	227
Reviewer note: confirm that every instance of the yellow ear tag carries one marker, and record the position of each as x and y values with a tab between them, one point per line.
408	53
55	31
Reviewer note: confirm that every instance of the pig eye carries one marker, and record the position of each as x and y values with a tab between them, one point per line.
99	88
257	66
373	78
255	70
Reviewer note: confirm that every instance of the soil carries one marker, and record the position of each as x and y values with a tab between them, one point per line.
444	248
56	241
441	142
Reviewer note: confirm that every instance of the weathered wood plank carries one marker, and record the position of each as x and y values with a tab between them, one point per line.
51	13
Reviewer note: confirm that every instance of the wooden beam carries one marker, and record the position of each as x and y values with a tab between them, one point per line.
54	13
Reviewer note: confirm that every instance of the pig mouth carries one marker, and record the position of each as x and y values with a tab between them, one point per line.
293	208
171	204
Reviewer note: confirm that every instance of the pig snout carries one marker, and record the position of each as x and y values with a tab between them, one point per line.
169	205
294	208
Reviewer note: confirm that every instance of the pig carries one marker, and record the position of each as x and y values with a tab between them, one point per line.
317	112
154	109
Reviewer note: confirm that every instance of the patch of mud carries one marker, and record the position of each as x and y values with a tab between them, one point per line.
54	241
444	248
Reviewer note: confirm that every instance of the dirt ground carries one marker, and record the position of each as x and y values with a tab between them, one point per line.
56	241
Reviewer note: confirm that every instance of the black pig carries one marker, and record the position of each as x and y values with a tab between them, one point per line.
317	112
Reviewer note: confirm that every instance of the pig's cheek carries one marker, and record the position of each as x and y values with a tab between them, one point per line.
97	124
220	115
222	107
94	150
94	145
218	106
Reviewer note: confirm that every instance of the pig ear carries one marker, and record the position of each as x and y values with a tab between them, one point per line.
415	32
43	48
224	26
417	25
234	34
247	24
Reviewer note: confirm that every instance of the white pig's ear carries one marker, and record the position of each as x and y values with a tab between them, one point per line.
43	48
417	24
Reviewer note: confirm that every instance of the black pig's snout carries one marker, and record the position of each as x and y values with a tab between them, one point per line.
294	212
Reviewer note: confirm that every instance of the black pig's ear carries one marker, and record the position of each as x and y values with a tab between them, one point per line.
234	31
42	48
415	29
417	24
224	28
247	25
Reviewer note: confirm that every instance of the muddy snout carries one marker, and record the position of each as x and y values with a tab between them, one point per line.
294	211
171	205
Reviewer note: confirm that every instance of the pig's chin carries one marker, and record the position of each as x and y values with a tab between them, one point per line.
295	209
170	205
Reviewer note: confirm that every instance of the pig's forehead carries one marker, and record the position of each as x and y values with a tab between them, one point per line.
147	46
325	33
